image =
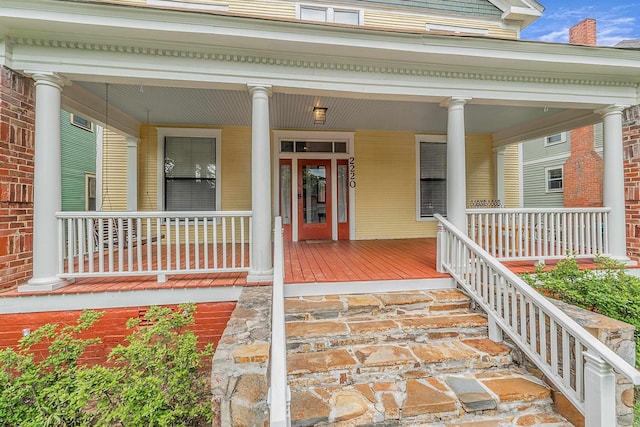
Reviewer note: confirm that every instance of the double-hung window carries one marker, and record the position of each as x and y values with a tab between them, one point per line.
432	182
190	175
554	179
330	14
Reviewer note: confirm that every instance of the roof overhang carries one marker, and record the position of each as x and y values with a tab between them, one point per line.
521	11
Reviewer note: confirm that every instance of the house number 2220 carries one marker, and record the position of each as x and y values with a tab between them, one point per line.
352	172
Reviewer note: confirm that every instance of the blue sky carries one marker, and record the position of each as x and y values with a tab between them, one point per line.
615	20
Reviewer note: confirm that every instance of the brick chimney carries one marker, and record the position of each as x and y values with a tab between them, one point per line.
584	168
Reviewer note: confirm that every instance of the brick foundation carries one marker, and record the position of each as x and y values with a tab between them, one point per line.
631	144
17	126
210	321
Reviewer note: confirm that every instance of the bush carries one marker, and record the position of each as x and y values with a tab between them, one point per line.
607	290
157	379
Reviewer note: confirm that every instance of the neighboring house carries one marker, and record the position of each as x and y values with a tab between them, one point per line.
350	120
543	164
78	142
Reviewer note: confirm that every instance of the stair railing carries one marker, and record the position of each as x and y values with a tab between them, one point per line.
279	393
580	366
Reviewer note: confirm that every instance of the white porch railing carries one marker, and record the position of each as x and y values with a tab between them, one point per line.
279	393
577	363
540	234
94	244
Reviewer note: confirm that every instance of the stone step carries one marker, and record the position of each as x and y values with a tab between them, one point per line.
318	335
517	400
378	304
391	362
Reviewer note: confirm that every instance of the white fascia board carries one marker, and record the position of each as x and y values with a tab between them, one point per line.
523	11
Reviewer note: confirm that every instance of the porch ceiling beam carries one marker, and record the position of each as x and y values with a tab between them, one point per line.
554	123
78	100
373	80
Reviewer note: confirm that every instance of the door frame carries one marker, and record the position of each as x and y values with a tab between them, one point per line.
348	137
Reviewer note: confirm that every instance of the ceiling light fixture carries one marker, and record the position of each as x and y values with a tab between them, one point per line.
319	115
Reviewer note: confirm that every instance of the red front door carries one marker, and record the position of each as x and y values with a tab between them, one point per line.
314	199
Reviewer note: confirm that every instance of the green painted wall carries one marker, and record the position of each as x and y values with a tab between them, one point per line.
78	158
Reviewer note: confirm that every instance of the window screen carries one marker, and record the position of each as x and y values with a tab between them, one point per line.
190	174
433	179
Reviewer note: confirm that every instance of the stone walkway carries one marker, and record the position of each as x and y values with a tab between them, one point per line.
413	358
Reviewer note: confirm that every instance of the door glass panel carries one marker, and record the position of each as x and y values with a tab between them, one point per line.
285	193
314	197
342	193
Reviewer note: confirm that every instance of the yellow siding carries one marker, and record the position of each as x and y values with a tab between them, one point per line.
480	168
417	22
414	22
386	183
512	176
148	169
236	168
114	172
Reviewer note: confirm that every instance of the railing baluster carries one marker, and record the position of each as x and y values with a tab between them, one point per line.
177	251
215	242
159	244
542	335
187	241
80	243
91	244
129	245
224	242
242	255
101	244
139	242
196	228
205	228
61	245
233	241
566	358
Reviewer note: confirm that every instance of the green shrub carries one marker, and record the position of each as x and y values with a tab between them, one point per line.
607	290
157	379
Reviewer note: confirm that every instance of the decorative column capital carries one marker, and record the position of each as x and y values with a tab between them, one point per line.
610	110
259	89
455	102
47	78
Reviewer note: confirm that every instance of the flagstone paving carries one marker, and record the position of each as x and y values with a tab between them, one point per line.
418	358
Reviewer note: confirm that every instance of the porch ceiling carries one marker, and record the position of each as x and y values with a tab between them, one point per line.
197	106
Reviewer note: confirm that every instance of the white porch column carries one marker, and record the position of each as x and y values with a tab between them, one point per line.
132	174
47	185
456	165
500	174
613	181
261	259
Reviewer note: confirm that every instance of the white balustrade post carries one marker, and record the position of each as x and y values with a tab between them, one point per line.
47	185
261	261
599	392
456	165
132	174
613	181
441	248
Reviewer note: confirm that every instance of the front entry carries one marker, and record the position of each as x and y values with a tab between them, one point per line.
314	199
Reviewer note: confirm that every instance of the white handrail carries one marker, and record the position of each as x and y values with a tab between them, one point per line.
279	392
558	346
98	244
540	233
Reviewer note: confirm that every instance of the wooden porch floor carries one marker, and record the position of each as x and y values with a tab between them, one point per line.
305	262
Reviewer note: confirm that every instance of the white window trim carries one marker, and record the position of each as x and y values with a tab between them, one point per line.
284	135
546	179
194	133
71	120
424	138
87	177
330	11
563	138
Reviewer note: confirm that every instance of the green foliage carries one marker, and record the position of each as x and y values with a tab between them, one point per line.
157	379
607	290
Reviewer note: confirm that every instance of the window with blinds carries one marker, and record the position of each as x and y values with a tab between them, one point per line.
433	179
190	174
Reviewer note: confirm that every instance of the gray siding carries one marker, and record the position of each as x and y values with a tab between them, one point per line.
535	186
78	158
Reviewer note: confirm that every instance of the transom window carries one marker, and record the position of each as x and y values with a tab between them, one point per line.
555	139
190	173
335	15
313	146
554	179
81	122
432	179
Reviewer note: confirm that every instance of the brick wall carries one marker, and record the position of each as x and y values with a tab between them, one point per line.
582	172
631	144
17	114
210	322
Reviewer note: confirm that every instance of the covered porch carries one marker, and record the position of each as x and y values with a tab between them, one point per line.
410	129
